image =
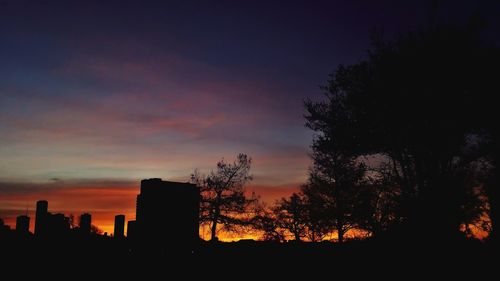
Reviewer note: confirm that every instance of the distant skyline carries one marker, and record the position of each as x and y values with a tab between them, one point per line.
96	96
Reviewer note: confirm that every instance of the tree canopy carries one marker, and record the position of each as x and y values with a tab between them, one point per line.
413	103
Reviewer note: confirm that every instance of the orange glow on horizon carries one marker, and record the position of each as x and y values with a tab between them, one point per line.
103	203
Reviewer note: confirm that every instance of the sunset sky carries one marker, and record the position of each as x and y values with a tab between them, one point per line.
96	96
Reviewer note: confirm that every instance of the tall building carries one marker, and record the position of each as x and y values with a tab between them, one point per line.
167	214
23	224
48	225
41	218
119	226
85	223
131	230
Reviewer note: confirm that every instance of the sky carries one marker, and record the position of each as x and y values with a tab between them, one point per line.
97	95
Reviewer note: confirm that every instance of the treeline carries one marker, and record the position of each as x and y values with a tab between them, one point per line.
405	145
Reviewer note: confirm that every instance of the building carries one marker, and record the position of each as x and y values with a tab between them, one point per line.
119	231
167	214
23	224
58	225
3	227
41	217
85	223
49	225
131	230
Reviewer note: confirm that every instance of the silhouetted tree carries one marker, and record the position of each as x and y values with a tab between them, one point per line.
379	200
223	201
333	190
484	111
96	230
488	114
474	202
492	189
295	216
291	215
408	102
267	222
317	219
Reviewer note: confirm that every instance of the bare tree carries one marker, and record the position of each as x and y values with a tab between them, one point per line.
223	203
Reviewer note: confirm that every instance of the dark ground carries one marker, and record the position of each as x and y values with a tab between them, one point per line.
100	257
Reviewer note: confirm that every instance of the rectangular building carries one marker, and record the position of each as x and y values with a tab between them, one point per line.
167	213
23	224
119	226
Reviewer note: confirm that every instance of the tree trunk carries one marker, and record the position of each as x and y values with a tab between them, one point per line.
297	236
340	231
213	231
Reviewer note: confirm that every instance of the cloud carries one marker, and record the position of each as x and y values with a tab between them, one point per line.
271	193
20	188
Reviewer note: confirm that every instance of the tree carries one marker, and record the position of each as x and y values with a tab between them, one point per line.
318	224
223	200
379	202
296	216
333	192
267	222
474	203
96	230
291	215
408	102
488	114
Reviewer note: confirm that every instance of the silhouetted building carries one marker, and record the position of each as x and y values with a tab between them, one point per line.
23	224
58	225
119	226
3	227
131	230
85	223
49	225
41	217
167	214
